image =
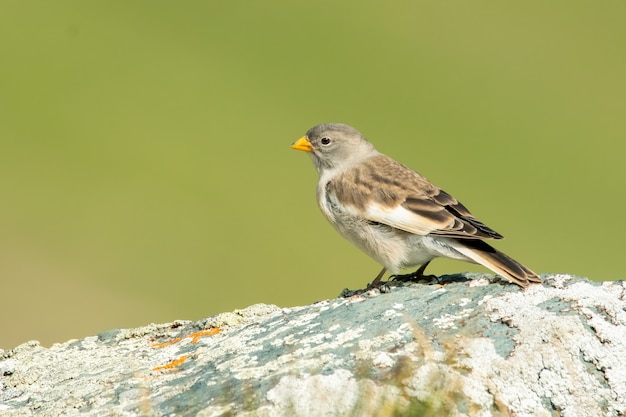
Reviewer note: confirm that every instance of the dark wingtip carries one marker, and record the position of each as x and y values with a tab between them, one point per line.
515	271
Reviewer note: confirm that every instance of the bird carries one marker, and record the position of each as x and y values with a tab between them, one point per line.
394	214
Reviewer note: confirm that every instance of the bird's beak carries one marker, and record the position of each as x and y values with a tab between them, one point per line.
302	144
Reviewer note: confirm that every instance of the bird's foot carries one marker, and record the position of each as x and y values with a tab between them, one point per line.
370	290
414	276
377	283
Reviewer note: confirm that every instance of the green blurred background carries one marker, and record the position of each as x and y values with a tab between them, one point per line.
145	169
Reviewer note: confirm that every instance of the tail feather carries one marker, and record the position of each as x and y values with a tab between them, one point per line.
500	263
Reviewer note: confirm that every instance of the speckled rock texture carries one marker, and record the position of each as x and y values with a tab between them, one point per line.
469	345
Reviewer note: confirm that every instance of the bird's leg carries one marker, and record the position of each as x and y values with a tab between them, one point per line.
376	282
414	276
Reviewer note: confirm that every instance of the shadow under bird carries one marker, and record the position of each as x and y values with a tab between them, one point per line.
394	214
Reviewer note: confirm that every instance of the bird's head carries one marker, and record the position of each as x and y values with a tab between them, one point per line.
334	145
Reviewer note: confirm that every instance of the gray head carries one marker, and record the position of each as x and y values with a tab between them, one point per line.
334	145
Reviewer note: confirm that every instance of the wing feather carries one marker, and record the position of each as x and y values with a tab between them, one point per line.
385	191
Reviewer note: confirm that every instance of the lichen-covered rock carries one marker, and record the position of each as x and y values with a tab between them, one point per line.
462	347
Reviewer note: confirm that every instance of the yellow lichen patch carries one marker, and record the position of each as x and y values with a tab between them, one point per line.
168	343
173	364
195	337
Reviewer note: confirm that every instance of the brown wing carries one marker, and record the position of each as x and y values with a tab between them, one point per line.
385	191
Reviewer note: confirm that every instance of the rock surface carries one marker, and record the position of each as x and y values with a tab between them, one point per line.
471	347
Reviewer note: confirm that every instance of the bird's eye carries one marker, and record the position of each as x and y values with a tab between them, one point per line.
325	141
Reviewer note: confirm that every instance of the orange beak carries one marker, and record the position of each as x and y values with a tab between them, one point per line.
302	144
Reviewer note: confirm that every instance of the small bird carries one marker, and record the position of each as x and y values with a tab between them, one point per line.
394	214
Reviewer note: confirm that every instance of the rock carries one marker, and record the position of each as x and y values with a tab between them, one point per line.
471	347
